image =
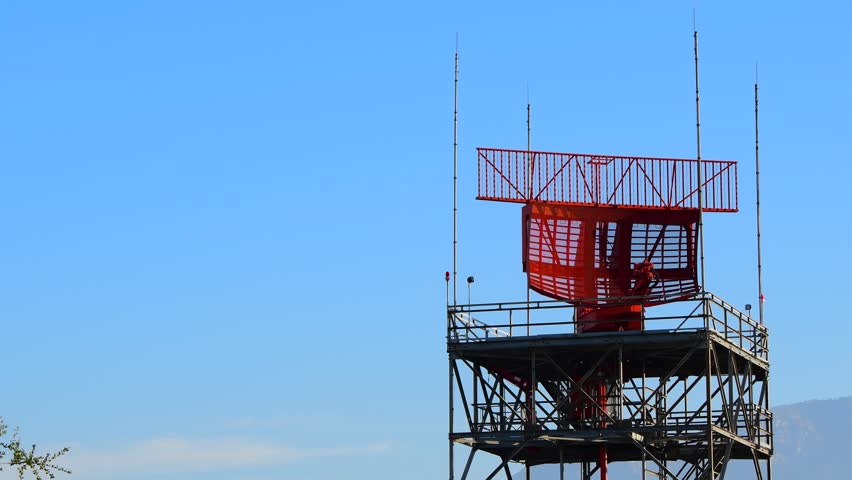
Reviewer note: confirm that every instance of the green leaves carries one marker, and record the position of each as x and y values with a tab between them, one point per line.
41	466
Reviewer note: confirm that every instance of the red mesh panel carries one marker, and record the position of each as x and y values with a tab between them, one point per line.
574	253
605	180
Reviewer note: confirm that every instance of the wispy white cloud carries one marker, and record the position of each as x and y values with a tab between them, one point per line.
174	454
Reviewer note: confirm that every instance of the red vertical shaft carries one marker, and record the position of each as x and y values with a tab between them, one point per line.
602	462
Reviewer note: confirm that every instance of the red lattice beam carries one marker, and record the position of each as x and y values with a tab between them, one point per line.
523	176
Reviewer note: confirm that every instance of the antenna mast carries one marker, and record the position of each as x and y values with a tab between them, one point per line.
529	153
698	146
757	181
528	128
455	171
529	194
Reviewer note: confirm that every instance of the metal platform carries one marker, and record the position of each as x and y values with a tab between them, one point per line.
684	396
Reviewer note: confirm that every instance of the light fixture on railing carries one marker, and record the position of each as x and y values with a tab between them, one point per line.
469	281
748	309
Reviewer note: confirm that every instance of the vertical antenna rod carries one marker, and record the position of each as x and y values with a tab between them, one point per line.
455	171
757	181
698	146
455	239
710	452
760	298
529	153
528	128
529	195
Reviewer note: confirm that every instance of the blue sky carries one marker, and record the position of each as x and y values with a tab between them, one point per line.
226	223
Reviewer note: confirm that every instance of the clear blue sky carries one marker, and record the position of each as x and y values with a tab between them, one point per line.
225	224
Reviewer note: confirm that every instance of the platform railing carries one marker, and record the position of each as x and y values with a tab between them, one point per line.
471	329
737	327
501	417
704	311
762	423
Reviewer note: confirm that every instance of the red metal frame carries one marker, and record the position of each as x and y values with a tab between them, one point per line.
611	235
622	230
580	179
612	255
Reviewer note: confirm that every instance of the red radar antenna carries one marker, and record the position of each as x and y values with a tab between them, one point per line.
609	234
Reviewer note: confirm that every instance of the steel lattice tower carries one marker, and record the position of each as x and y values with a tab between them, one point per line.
591	376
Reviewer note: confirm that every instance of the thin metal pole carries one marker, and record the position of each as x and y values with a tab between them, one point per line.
662	408
503	425
731	404
710	454
529	152
769	468
451	461
477	377
642	404
469	462
529	194
685	398
531	394
455	170
698	157
760	298
455	236
771	430
620	382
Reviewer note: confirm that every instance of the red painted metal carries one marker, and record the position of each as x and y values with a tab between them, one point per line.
610	234
579	179
627	258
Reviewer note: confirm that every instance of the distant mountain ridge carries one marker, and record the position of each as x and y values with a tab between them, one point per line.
811	439
810	442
